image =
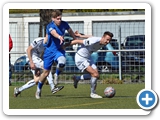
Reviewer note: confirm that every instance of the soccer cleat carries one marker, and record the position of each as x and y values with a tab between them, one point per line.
75	82
56	89
16	91
55	79
93	95
38	95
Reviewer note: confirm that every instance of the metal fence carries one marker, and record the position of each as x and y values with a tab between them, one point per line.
128	65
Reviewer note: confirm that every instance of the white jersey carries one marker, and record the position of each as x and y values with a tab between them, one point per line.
38	47
89	46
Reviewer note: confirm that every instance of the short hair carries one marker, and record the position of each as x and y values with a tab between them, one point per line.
56	13
108	33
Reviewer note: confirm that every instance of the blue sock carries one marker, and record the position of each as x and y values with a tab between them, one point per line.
58	72
39	86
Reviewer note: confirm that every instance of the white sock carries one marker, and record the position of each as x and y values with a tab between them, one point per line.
29	84
93	84
50	80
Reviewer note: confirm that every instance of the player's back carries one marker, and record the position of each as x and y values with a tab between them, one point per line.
38	47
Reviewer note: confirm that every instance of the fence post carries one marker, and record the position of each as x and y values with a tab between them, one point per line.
120	61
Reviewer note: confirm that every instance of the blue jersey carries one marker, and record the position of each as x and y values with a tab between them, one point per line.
53	43
53	49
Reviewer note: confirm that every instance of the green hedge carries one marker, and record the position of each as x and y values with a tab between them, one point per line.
73	10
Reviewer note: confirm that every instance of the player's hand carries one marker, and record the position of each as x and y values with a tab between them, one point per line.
32	65
77	34
61	39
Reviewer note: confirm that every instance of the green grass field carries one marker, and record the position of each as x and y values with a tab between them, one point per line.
71	98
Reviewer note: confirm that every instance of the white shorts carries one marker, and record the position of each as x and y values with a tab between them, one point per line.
37	61
82	63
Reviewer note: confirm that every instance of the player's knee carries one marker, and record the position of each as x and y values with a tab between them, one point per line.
95	74
61	66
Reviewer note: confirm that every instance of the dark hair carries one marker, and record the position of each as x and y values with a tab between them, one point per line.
56	13
108	33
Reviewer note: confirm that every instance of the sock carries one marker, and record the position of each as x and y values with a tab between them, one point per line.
50	81
58	72
39	86
29	84
83	77
93	84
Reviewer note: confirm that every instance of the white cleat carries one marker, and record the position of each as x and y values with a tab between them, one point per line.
38	95
55	81
56	89
93	95
16	91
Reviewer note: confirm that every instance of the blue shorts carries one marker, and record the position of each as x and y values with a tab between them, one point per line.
50	58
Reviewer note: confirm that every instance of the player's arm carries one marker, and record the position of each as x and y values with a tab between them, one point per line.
29	49
81	36
56	35
73	42
70	31
45	39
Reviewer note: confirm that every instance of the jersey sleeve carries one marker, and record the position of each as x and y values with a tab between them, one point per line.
66	25
89	41
50	28
35	42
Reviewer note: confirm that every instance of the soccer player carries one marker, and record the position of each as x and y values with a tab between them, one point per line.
34	52
84	62
54	51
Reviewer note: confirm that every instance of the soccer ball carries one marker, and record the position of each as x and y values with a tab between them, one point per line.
109	92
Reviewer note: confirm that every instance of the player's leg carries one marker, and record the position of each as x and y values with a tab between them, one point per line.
48	61
42	79
37	61
81	63
94	76
61	61
54	89
29	84
77	78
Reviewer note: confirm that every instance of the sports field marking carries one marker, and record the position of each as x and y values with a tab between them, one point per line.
70	106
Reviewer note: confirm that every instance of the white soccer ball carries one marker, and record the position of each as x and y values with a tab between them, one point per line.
109	92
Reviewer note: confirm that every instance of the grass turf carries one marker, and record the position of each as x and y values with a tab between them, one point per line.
71	98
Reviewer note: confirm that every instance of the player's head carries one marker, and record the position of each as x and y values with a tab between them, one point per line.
106	38
57	17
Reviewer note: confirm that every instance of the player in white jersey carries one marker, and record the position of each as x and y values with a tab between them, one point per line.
84	62
34	52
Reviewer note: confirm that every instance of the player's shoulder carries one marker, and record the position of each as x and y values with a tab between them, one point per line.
50	24
64	22
38	40
94	39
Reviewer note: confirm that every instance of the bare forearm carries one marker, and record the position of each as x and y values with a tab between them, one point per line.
29	54
70	31
85	36
73	42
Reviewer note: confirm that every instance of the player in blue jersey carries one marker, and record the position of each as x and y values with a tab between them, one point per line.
54	51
